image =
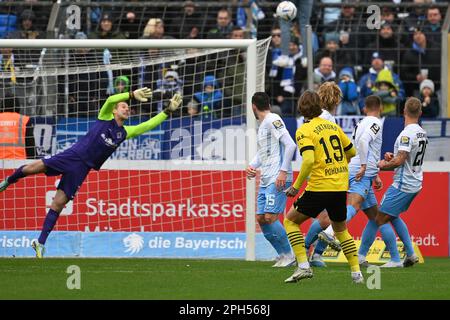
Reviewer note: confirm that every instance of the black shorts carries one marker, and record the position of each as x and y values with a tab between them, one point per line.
311	203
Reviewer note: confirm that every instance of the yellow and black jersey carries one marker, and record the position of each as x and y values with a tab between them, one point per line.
330	145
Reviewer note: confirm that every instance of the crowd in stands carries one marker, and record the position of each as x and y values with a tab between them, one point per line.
398	60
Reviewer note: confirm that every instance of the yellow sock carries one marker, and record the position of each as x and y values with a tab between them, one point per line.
349	248
296	240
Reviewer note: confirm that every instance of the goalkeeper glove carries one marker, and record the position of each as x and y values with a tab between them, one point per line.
174	103
141	94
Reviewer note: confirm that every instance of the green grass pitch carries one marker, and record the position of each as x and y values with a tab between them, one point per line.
176	279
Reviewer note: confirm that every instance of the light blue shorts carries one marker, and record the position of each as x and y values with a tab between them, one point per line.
395	201
364	188
271	200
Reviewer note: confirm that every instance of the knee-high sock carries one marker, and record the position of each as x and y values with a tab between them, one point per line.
270	236
18	174
390	239
270	233
313	231
296	240
403	234
49	223
349	248
351	212
281	237
368	237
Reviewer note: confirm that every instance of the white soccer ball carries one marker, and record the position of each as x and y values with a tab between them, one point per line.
286	10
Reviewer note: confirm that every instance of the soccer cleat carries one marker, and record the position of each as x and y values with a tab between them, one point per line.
300	274
410	261
392	264
285	261
317	261
39	248
277	261
4	184
357	277
333	243
363	263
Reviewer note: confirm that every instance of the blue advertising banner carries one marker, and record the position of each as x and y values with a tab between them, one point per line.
214	139
44	131
210	245
438	131
391	129
203	139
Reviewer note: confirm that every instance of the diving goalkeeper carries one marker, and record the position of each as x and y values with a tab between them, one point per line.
90	152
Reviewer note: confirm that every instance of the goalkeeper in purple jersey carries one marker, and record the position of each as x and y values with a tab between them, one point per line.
90	152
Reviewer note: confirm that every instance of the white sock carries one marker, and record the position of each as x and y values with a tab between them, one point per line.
317	256
329	231
356	273
304	265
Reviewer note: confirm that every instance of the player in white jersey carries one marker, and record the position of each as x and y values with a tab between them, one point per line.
327	116
407	159
367	138
275	151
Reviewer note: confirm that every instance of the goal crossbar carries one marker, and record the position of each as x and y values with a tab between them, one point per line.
126	43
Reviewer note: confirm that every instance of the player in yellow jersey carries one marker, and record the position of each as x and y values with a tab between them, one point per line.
326	151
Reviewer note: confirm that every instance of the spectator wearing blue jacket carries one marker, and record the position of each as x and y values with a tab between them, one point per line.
366	83
349	103
8	21
208	101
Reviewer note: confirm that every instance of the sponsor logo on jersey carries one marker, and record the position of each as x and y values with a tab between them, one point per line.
404	141
375	128
108	141
278	124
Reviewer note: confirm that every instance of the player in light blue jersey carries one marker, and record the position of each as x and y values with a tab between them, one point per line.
274	156
407	159
367	138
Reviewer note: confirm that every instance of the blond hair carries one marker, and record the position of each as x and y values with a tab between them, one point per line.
150	28
413	107
330	95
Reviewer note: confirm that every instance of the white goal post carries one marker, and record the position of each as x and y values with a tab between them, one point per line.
254	81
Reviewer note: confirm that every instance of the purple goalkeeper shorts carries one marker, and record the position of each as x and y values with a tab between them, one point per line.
72	168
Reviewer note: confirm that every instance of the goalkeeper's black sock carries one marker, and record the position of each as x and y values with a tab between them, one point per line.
18	174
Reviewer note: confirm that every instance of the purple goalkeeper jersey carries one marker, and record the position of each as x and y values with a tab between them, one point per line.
99	143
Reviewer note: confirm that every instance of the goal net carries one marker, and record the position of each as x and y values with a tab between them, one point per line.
176	191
